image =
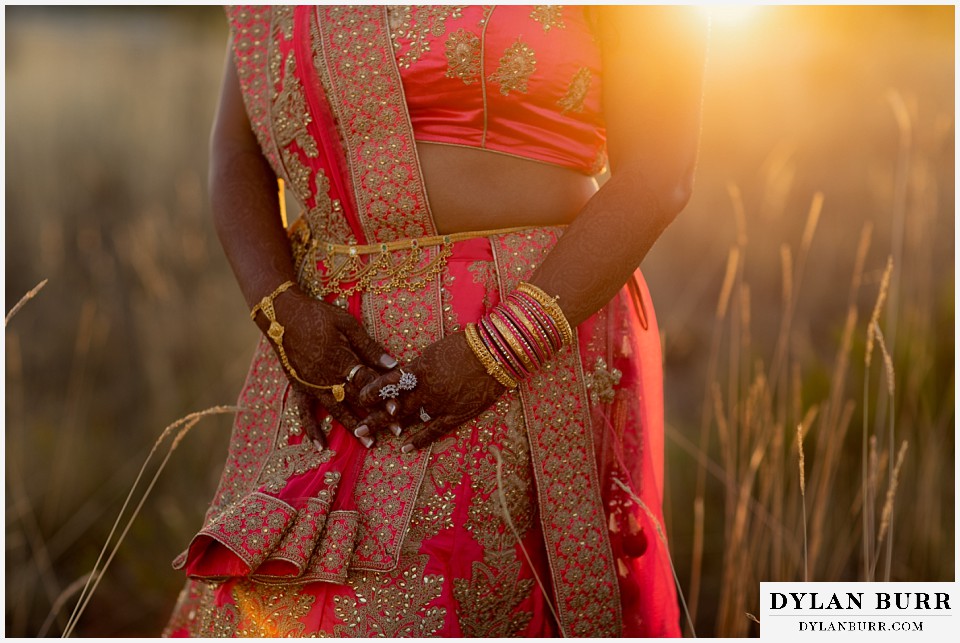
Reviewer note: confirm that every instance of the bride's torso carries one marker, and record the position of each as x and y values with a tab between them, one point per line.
505	108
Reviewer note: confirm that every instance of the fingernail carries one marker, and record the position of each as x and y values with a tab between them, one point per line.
388	362
317	444
361	431
396	429
367	442
391	407
407	448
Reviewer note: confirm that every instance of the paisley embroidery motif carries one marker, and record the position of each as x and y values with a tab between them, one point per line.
577	91
463	56
517	64
290	115
494	590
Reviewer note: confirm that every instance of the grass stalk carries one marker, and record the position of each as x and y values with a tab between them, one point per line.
23	300
184	425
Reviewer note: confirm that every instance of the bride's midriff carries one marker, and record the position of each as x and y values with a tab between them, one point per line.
474	189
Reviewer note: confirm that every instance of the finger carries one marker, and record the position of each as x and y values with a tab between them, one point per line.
363	376
308	419
430	434
380	421
366	347
377	391
342	414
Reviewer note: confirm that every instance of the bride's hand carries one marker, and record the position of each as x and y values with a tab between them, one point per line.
326	346
452	387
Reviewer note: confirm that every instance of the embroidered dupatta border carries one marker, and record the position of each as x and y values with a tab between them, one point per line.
571	510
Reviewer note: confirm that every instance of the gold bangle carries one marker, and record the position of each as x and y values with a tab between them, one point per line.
551	307
275	332
514	343
535	335
489	362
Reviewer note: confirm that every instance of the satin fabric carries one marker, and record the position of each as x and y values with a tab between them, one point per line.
514	79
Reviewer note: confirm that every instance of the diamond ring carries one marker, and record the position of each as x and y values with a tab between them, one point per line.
408	381
389	391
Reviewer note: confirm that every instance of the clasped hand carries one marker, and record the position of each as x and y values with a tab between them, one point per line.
327	346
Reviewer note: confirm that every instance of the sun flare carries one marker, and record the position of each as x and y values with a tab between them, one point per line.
730	16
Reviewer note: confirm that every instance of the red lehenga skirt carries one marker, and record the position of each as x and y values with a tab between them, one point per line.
541	517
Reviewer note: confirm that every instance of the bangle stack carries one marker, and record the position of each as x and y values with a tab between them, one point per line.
519	335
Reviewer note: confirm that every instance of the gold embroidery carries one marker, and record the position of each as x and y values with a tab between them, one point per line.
271	611
517	64
549	15
484	272
463	56
572	101
391	605
290	114
198	615
430	23
602	382
283	18
451	322
368	107
290	461
493	592
574	523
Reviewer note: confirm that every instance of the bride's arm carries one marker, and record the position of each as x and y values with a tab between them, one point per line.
653	59
321	342
652	73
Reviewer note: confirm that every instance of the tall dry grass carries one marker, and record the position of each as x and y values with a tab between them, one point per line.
826	150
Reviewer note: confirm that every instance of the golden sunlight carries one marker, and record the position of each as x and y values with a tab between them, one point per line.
730	16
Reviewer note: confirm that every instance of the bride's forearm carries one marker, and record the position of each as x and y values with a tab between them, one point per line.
604	245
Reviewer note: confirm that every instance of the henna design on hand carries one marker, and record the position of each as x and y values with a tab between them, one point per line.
453	386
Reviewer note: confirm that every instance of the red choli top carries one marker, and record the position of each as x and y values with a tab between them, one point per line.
520	80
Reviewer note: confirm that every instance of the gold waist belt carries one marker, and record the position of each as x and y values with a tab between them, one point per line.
345	269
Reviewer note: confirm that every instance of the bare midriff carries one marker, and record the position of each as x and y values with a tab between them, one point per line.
474	189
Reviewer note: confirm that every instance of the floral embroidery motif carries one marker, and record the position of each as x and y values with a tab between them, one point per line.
429	22
517	64
271	612
463	56
198	615
602	382
391	605
549	15
293	460
572	101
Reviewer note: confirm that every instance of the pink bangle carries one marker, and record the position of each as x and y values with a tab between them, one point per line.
496	347
514	340
537	338
533	307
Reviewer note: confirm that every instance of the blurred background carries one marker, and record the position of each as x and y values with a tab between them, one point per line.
828	148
